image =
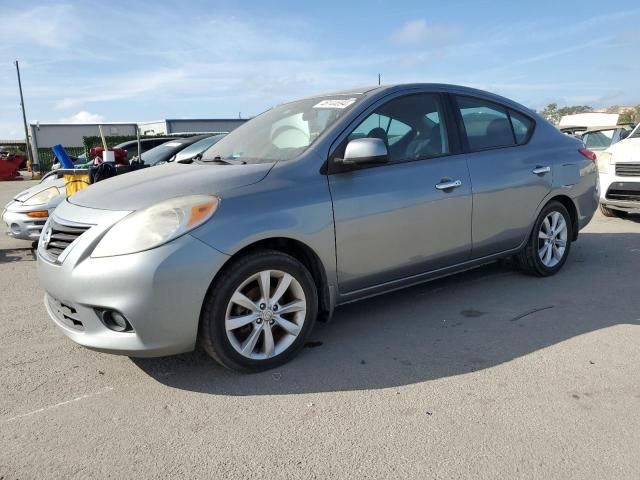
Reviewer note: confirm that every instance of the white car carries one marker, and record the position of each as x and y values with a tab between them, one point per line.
619	168
26	214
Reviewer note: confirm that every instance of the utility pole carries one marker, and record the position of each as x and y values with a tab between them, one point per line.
35	168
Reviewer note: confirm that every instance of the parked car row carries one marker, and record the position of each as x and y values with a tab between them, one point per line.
27	213
312	204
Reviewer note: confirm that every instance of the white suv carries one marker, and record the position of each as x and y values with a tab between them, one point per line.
619	168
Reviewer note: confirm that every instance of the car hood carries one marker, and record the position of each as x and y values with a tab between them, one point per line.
146	187
627	150
30	192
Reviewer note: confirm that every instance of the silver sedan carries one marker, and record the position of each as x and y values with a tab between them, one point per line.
312	204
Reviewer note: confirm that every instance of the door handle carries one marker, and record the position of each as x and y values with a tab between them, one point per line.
541	170
448	185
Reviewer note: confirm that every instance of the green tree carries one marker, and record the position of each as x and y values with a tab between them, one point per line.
630	116
552	113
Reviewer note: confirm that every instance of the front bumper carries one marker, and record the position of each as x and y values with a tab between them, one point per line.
619	192
19	225
159	291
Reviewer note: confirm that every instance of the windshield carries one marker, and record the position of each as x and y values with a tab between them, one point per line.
198	147
161	152
599	140
283	132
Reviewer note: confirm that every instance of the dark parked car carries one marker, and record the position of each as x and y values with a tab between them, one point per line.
146	144
163	153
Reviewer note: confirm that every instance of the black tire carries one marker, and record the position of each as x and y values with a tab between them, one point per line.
611	212
528	259
212	333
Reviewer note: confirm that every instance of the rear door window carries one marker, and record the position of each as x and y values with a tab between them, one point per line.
487	125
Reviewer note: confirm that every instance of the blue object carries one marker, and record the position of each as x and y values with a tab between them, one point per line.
61	155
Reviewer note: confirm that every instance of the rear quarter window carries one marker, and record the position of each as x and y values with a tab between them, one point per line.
522	127
487	124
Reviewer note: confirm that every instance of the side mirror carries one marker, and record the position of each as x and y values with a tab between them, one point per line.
365	151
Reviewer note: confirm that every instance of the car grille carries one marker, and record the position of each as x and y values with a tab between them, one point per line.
628	169
58	237
625	191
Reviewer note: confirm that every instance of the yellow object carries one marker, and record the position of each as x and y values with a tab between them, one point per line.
74	182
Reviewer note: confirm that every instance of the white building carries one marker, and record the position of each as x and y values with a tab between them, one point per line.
190	125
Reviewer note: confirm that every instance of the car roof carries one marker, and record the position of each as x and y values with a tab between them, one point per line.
383	90
142	140
175	141
194	139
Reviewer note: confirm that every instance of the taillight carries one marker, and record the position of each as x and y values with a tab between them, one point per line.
589	154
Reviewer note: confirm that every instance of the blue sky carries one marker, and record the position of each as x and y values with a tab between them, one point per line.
133	61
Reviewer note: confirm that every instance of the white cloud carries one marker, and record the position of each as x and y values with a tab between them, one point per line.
419	32
83	117
49	26
122	87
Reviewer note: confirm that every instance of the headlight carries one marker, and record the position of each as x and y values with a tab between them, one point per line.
42	197
156	225
603	161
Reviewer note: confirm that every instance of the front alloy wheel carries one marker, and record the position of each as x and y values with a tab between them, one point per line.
259	311
266	314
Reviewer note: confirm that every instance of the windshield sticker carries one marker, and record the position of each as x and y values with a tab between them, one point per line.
171	144
336	103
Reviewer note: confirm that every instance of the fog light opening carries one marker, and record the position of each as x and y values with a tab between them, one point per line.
115	321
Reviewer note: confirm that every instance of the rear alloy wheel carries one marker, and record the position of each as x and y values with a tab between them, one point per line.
259	312
549	243
552	239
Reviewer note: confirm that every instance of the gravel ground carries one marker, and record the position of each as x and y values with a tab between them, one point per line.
488	374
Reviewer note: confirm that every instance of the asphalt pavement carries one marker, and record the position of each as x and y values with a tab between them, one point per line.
488	374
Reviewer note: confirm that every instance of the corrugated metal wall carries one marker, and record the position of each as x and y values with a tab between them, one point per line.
70	135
